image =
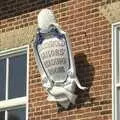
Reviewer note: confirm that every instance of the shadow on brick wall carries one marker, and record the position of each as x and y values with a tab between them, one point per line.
85	73
12	8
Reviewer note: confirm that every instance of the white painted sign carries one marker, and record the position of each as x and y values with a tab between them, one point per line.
55	61
54	57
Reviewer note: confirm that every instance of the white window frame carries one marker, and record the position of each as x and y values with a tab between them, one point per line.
21	101
115	68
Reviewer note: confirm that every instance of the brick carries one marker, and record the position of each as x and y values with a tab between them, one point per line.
89	30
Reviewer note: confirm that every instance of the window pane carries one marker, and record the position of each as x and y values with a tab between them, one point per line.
2	79
117	49
17	76
17	114
118	102
2	115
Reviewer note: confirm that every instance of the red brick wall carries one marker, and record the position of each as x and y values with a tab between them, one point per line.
90	34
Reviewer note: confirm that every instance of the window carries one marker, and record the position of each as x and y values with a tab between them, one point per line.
13	84
116	71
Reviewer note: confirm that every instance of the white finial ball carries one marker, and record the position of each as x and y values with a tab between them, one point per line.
45	19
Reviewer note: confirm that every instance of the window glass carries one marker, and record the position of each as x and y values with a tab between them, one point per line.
2	79
17	76
118	102
13	78
2	115
17	114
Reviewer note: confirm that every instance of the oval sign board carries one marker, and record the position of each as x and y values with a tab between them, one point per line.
54	57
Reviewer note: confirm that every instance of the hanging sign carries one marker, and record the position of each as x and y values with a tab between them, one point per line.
55	61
